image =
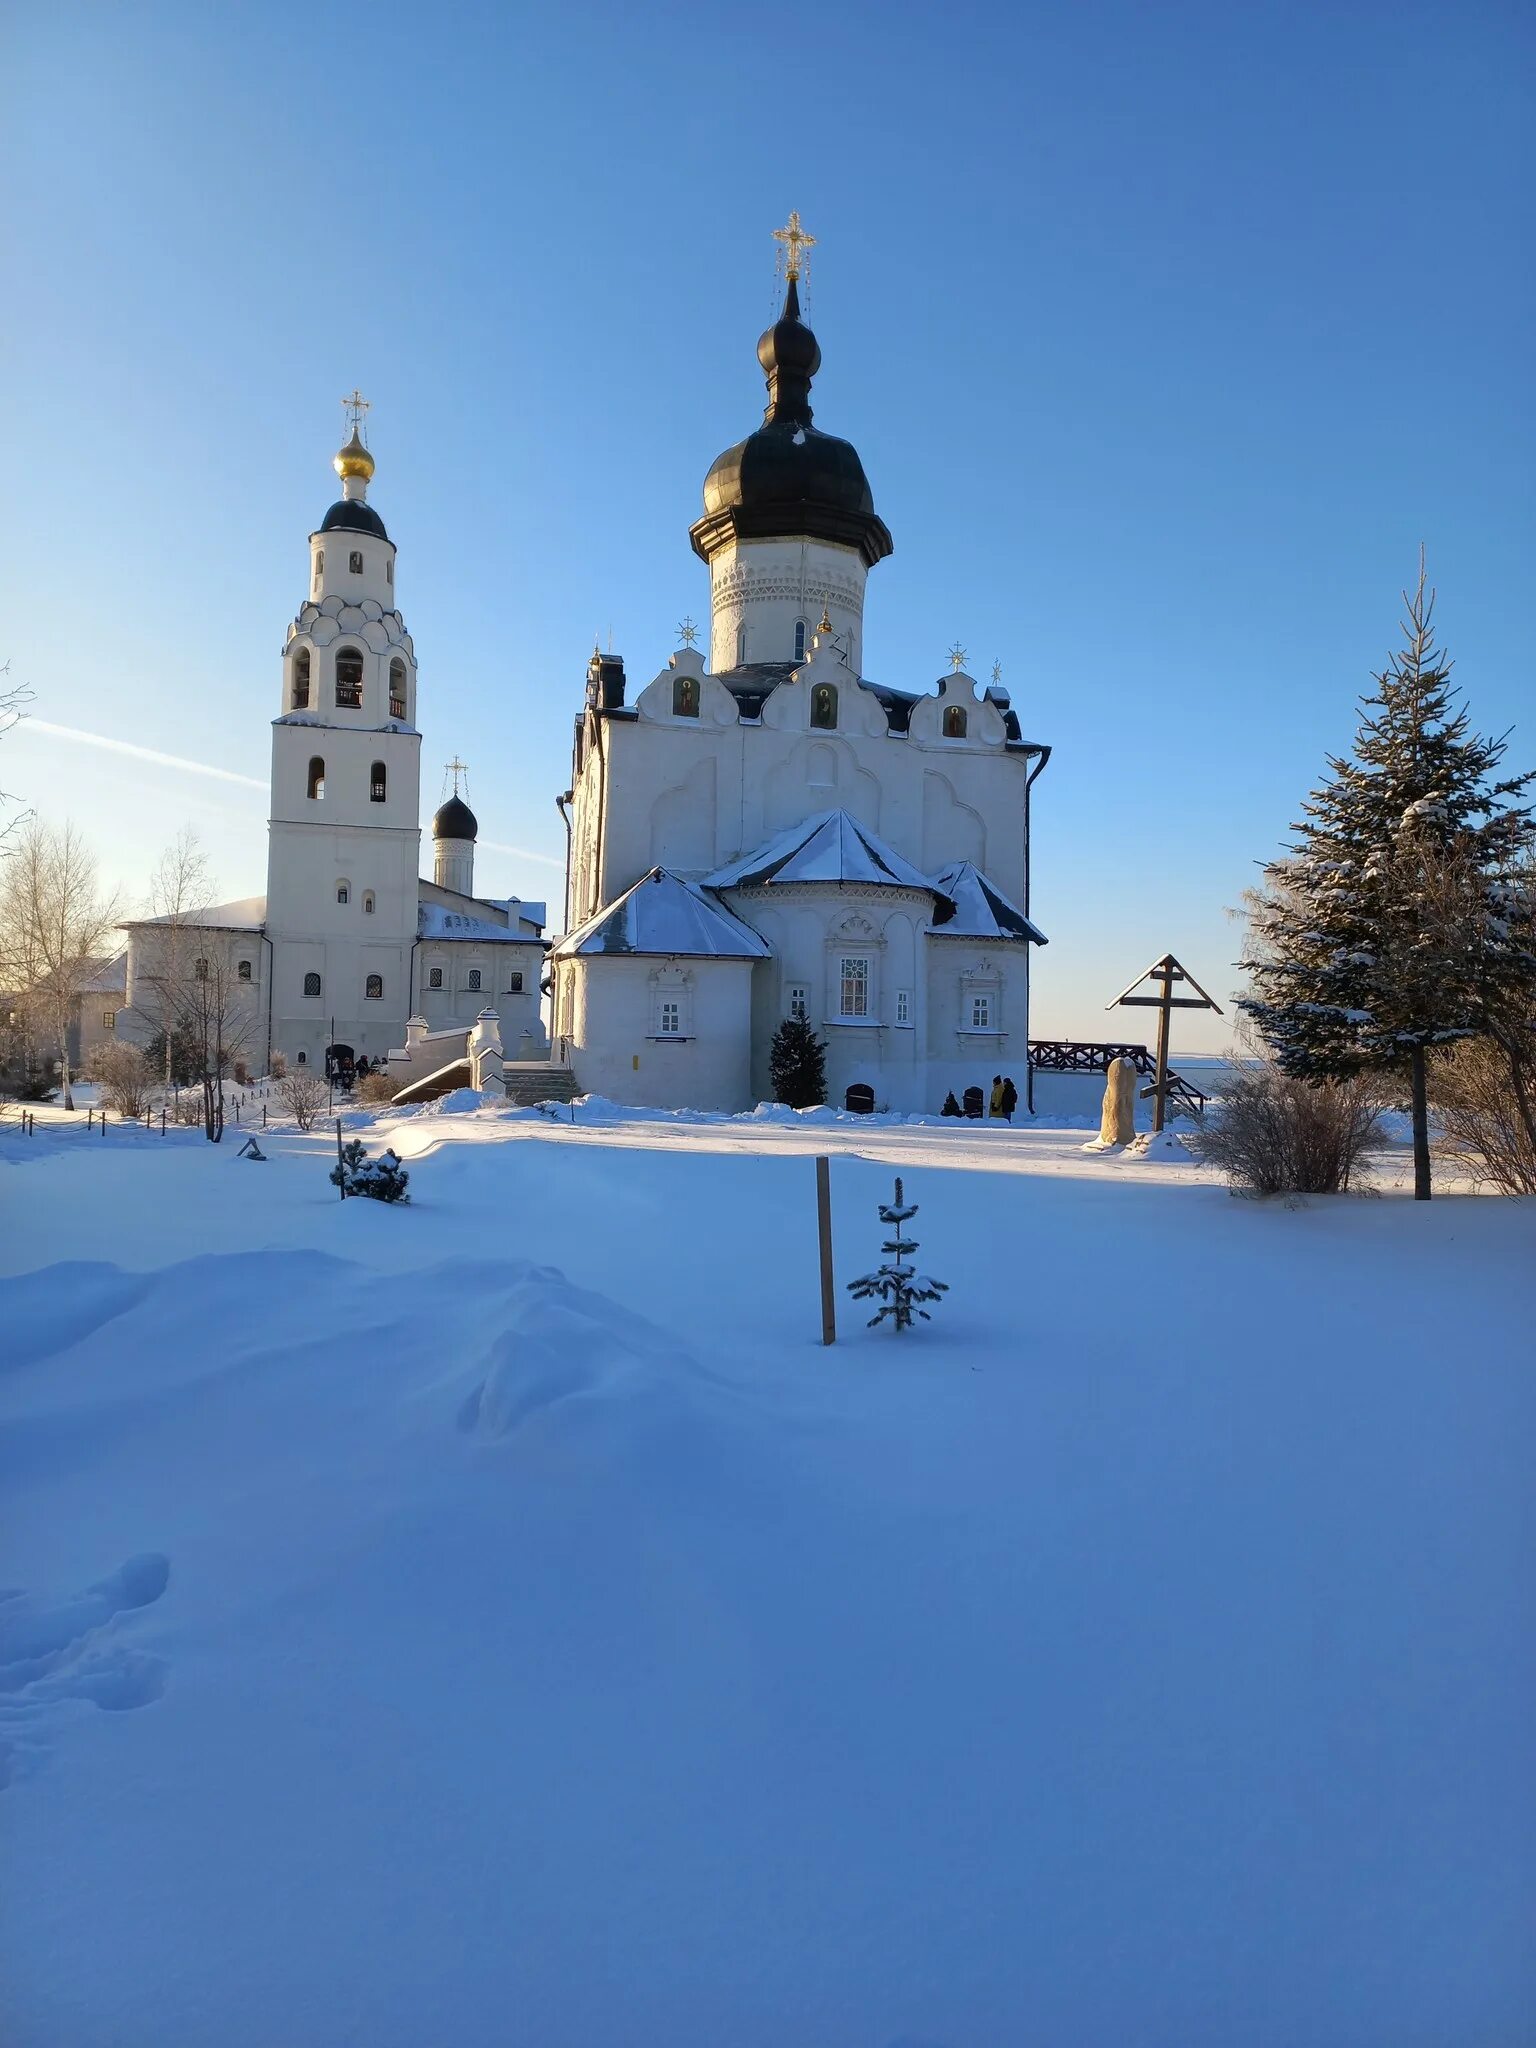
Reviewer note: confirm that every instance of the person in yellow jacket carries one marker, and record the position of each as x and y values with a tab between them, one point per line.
995	1106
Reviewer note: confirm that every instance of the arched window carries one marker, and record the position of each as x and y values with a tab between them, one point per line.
434	977
311	988
741	645
955	721
824	707
799	639
301	680
514	984
316	778
319	567
343	892
243	971
472	979
355	562
685	697
377	783
389	570
303	1059
200	970
397	689
373	987
349	678
367	903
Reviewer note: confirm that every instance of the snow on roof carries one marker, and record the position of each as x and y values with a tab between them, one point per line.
664	914
105	977
830	847
245	914
982	911
434	922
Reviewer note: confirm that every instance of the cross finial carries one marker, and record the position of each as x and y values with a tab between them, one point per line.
997	673
957	657
456	768
826	621
793	239
354	407
688	632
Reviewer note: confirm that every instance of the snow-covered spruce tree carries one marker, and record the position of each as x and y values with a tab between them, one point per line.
899	1287
380	1180
797	1065
1384	930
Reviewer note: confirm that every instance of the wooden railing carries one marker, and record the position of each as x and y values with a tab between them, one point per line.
1085	1056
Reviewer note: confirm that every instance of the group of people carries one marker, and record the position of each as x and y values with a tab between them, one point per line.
1003	1102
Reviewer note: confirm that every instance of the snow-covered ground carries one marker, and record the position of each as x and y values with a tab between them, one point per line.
499	1620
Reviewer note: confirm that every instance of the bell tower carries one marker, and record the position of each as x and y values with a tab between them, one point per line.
344	833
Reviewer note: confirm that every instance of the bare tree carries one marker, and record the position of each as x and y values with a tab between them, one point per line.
303	1095
179	892
125	1076
54	927
208	1006
14	697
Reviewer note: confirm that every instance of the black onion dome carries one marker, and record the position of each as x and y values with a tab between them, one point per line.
352	515
789	479
455	820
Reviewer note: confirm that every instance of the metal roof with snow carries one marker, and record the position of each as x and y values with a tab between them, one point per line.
982	911
434	921
662	913
830	847
245	914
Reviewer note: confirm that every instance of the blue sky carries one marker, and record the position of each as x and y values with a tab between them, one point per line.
1166	335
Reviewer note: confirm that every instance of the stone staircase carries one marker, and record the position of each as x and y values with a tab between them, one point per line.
531	1081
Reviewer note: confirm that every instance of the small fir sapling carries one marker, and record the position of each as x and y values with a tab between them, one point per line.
951	1107
380	1180
899	1286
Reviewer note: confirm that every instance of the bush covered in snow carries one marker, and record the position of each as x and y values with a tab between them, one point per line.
379	1180
1272	1133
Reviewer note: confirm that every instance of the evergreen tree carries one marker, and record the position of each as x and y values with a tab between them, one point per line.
797	1065
1385	929
381	1180
899	1287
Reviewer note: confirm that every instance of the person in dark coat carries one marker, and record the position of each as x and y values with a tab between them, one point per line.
1010	1097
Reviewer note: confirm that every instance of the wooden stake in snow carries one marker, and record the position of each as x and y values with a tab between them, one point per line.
824	1236
341	1180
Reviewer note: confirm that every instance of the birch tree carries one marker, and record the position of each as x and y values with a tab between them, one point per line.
54	927
179	893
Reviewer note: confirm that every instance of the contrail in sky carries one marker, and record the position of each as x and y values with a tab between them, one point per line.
137	753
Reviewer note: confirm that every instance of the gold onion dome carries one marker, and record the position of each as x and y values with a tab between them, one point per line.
354	459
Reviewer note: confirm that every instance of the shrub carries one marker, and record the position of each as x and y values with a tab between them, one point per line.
303	1096
188	1107
379	1180
1473	1092
124	1075
1272	1134
797	1065
279	1067
377	1087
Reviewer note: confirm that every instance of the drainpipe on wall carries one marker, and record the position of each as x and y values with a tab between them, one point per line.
1029	782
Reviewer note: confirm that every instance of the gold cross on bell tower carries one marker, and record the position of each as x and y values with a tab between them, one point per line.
792	239
354	408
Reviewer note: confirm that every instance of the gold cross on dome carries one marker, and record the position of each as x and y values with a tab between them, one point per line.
688	632
354	408
793	238
957	657
456	768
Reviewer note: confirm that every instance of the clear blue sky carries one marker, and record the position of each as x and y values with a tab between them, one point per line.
1165	333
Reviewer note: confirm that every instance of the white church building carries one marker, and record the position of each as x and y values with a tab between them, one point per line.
351	951
769	833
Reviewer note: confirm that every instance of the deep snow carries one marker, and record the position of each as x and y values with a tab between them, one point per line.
500	1620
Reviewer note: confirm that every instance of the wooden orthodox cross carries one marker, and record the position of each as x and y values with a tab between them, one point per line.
1164	973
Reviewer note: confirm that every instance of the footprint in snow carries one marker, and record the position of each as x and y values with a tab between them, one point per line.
55	1651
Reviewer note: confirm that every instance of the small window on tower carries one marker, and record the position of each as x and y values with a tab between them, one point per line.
243	971
301	680
109	1020
799	639
343	893
373	987
311	988
355	562
349	678
319	569
316	778
397	689
434	977
303	1059
378	785
955	722
824	707
685	697
472	980
389	572
367	903
514	984
741	646
797	999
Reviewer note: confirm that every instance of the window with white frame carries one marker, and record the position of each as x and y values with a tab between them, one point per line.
981	1009
853	979
903	1006
797	1000
671	1003
109	1020
669	1017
